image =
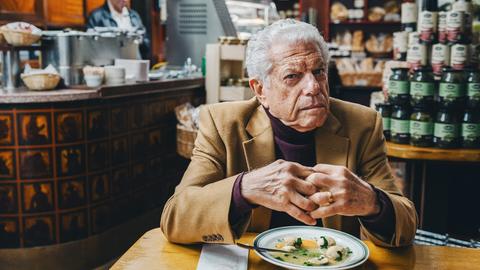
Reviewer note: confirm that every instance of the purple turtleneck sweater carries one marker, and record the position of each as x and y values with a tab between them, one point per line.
292	145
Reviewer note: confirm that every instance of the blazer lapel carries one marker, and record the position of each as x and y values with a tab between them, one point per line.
259	151
332	148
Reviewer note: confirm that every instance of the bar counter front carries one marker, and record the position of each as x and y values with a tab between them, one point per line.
83	173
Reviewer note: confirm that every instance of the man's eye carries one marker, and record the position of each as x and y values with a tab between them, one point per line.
291	76
318	71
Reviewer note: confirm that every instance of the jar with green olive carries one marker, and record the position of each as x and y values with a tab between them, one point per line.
400	125
471	129
422	87
399	87
446	133
452	89
473	88
385	110
421	127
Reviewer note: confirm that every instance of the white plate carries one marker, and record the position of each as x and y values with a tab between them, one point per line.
268	239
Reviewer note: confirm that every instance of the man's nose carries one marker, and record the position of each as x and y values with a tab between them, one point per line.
311	87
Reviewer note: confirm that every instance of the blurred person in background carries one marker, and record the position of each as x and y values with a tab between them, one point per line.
116	13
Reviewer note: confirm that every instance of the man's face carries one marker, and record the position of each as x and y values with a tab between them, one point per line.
297	92
119	4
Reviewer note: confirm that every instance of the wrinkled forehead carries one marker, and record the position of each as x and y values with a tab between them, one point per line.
296	56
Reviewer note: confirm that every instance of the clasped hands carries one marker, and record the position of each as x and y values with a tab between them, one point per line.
309	193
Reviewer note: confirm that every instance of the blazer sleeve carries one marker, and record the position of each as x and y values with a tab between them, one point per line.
375	169
198	210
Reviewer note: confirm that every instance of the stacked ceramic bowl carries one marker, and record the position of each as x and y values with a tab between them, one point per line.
114	75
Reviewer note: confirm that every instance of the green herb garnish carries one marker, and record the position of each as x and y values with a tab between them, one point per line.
279	258
340	256
298	243
325	242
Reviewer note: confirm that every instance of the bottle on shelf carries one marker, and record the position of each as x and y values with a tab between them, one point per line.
399	87
471	129
473	88
427	21
446	129
466	7
440	58
421	127
400	124
409	16
452	89
422	87
385	110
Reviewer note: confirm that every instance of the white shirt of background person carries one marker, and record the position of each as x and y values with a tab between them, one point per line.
122	19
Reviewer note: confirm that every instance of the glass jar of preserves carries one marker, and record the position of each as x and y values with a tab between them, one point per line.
471	129
400	125
422	87
421	127
385	110
473	88
446	131
451	92
399	87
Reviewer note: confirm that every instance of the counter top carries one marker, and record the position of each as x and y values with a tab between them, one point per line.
23	95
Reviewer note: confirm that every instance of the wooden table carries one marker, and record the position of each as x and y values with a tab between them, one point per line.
428	174
153	251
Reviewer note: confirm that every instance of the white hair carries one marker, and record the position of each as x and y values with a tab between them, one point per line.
289	31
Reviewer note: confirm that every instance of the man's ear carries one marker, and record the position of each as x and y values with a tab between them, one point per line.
258	90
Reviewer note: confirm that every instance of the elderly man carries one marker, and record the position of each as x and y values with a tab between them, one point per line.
289	156
115	13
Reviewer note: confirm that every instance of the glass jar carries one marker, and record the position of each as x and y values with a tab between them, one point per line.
399	87
473	88
452	89
421	127
446	132
471	129
400	125
422	87
385	110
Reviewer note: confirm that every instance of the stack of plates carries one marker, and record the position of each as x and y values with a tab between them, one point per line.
114	75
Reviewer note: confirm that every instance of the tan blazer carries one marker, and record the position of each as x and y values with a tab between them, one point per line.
237	136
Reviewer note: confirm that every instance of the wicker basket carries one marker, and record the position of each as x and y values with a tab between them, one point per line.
185	141
19	37
40	81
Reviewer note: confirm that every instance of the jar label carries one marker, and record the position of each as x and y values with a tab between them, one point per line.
398	87
470	131
386	123
442	21
473	90
419	128
446	132
458	56
440	54
400	126
451	90
422	88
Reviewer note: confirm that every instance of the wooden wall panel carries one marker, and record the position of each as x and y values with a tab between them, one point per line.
93	4
65	12
24	6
